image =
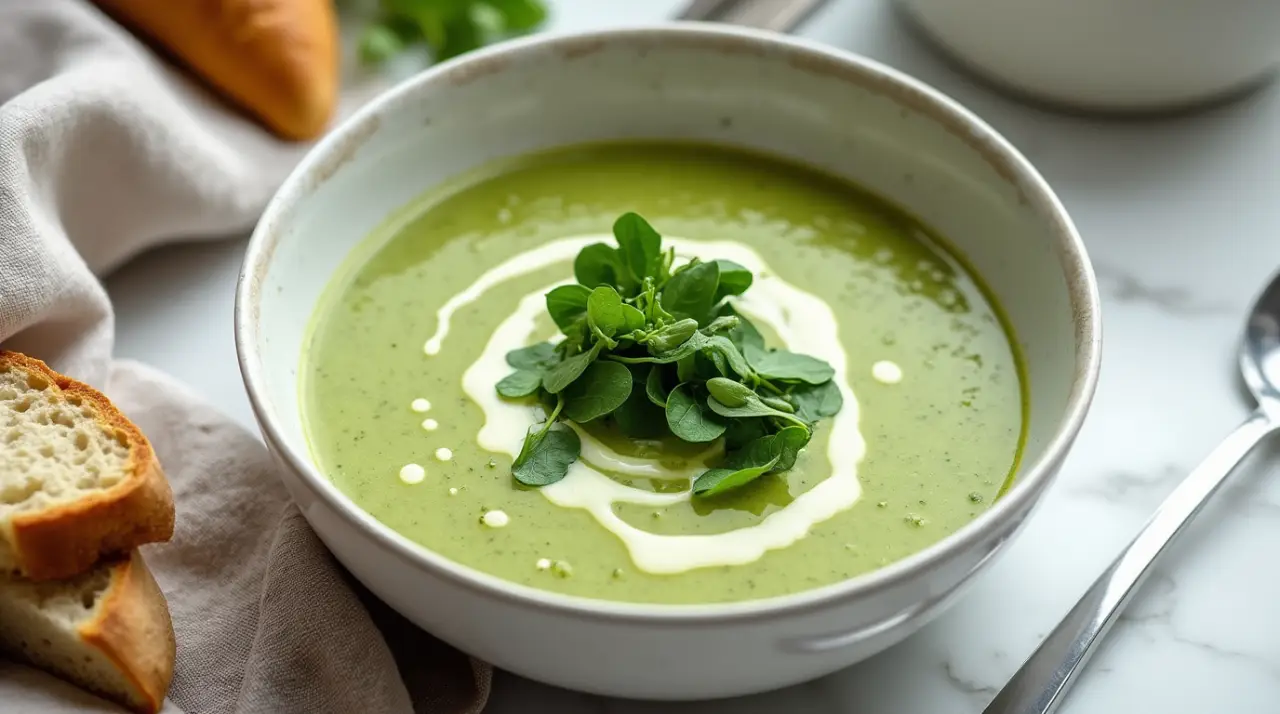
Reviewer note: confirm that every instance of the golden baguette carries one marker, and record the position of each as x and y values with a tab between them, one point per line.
107	630
277	59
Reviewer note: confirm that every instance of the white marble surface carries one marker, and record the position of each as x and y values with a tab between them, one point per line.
1182	218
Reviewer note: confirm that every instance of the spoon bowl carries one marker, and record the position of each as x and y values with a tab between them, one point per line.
1260	348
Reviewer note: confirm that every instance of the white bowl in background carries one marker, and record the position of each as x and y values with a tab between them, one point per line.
1110	55
827	108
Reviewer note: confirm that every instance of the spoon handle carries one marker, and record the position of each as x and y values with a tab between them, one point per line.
1039	686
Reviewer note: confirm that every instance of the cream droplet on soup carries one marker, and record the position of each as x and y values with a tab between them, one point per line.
430	424
412	473
444	454
886	372
495	519
803	322
420	405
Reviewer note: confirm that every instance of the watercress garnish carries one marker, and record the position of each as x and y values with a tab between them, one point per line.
447	27
660	352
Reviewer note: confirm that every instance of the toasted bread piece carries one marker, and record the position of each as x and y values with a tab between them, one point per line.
78	481
107	630
278	59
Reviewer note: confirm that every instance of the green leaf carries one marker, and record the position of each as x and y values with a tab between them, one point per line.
687	367
563	374
781	449
447	27
695	342
787	443
632	319
814	402
520	383
653	387
379	43
689	419
640	246
428	22
778	403
744	335
669	337
723	323
729	392
776	452
647	299
596	265
604	311
691	292
547	460
638	417
751	406
567	304
532	357
462	34
743	431
717	481
602	388
519	15
734	279
724	347
711	364
791	367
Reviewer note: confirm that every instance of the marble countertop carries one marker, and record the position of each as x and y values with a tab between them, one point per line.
1182	220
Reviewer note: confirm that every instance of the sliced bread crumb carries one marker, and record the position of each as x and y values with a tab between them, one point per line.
78	481
107	630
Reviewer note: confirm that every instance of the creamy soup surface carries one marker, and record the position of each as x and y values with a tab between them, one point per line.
406	345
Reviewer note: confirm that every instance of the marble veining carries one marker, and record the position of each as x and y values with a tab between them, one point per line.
1122	286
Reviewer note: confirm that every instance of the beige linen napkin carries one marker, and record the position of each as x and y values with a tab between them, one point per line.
106	151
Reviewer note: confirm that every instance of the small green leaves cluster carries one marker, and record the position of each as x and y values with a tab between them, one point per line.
448	28
662	353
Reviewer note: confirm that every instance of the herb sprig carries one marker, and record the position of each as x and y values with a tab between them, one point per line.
661	352
447	27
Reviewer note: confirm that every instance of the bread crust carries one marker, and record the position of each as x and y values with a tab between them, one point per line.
69	539
277	59
134	630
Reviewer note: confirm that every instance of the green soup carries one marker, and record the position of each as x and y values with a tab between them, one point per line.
937	381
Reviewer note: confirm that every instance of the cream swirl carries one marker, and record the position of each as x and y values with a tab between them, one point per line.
803	322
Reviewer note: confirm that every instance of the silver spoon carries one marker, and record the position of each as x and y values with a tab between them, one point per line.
1040	685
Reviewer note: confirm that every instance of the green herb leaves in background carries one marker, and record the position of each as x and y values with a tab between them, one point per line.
661	353
447	28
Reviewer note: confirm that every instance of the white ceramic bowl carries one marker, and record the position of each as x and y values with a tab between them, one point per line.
827	108
1111	55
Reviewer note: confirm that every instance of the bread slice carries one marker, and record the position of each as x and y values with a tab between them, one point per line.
78	481
278	59
107	630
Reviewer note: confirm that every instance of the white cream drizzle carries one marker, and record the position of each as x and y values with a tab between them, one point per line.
802	321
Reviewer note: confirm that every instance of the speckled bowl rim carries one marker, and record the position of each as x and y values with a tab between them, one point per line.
341	143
